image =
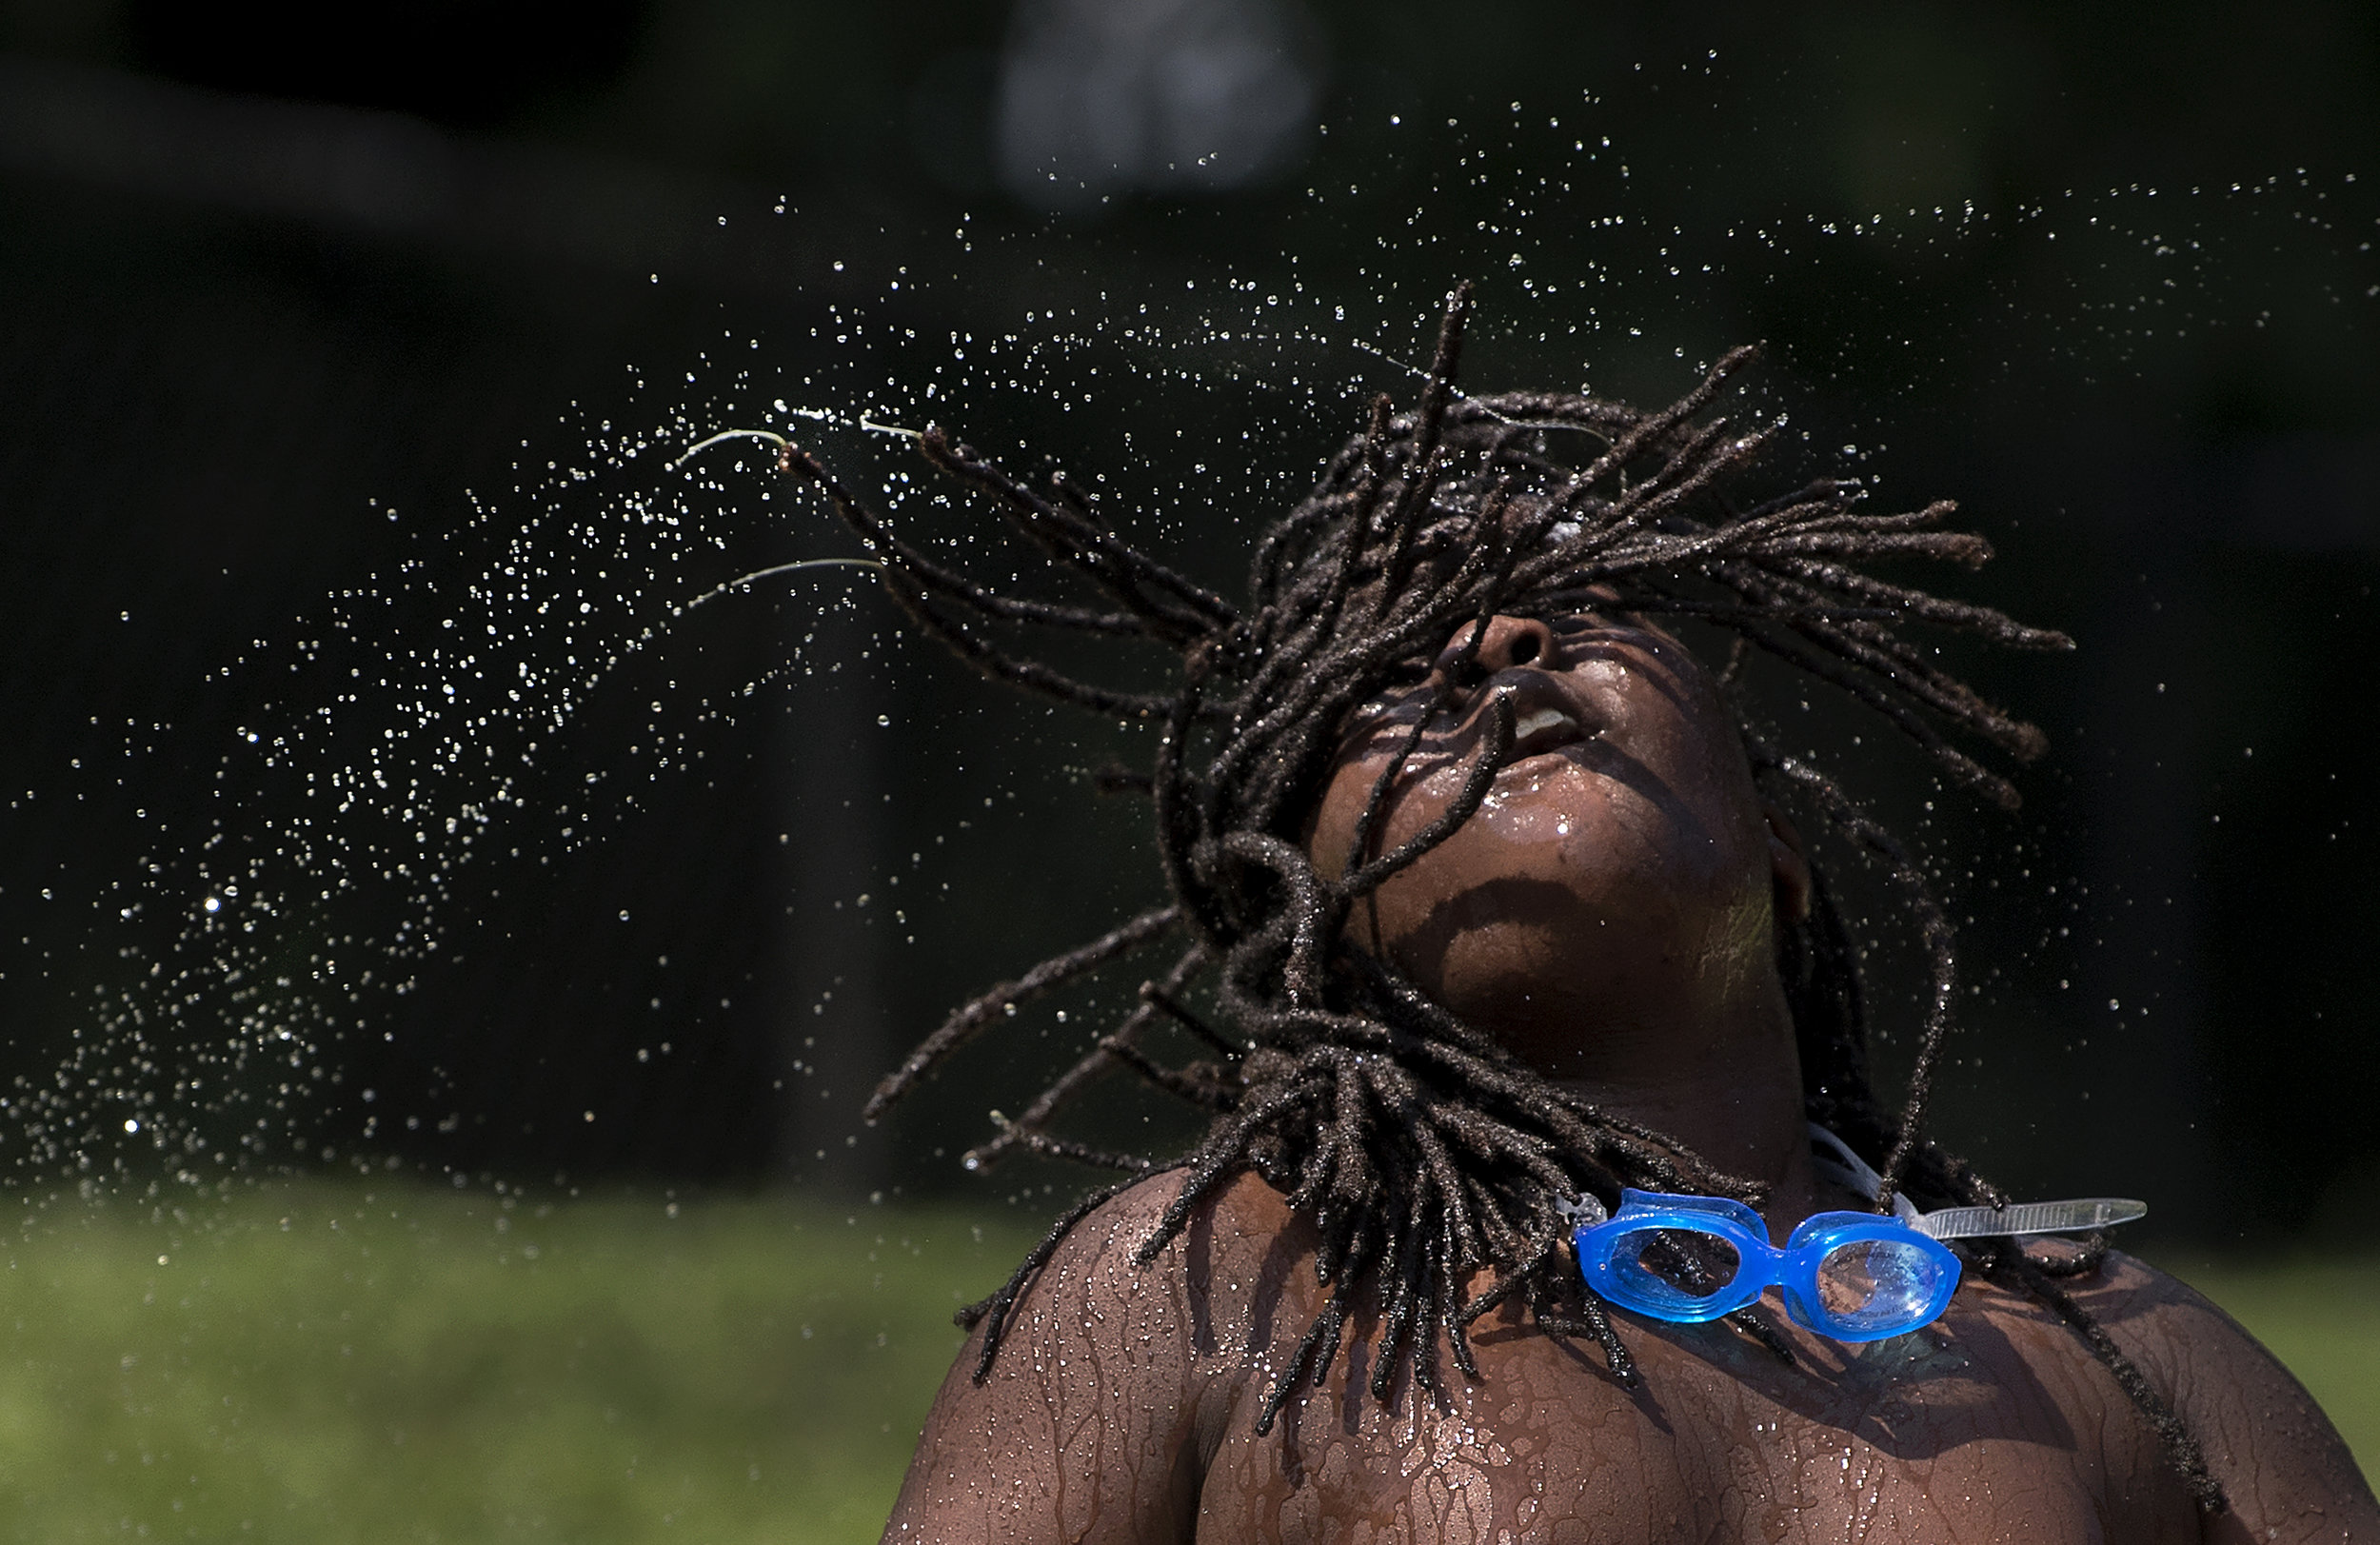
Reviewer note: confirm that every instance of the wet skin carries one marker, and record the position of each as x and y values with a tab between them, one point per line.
1610	917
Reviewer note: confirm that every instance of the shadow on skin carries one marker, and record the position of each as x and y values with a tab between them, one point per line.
1913	1398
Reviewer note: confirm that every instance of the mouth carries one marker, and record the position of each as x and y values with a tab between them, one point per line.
1543	729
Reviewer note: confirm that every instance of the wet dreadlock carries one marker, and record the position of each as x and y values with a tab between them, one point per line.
1419	1148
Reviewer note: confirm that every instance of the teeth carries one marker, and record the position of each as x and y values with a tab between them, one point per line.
1543	718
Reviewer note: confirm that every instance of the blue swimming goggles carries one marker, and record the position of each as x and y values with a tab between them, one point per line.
1853	1276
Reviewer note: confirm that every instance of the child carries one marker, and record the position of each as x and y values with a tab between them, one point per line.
1510	930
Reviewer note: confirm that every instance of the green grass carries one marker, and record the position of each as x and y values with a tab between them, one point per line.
324	1364
329	1363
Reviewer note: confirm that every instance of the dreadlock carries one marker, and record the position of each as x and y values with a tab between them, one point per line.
1420	1151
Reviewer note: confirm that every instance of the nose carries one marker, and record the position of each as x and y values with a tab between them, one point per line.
1509	643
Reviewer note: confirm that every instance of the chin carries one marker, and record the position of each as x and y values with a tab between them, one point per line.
1528	956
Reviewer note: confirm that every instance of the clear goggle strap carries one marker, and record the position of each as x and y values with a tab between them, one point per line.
1833	1161
2079	1216
1584	1211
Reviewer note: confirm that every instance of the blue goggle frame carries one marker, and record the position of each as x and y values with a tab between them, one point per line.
1893	1278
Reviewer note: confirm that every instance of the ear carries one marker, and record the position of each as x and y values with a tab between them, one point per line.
1788	870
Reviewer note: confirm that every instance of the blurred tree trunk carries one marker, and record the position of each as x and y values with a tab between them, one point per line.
2145	1120
833	1036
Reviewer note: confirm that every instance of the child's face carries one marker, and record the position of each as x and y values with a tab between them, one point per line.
1621	879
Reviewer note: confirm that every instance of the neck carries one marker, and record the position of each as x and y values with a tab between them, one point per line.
1731	1092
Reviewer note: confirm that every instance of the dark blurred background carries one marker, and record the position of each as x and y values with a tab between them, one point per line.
2103	274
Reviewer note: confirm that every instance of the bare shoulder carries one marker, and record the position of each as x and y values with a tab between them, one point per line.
2283	1465
1102	1295
1222	1266
1094	1415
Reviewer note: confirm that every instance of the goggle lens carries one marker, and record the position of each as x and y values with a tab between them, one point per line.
1672	1272
1879	1286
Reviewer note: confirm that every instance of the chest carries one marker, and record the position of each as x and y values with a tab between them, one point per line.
1933	1437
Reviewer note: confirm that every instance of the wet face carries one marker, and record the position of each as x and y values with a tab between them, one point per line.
1619	888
